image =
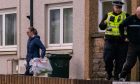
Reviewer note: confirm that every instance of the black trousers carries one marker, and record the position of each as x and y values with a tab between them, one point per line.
114	56
27	72
133	54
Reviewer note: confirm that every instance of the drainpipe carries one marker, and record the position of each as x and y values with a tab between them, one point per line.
30	17
31	12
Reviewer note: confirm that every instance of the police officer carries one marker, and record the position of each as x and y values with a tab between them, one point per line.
132	24
115	50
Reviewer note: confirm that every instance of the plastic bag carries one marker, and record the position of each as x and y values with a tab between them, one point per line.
39	66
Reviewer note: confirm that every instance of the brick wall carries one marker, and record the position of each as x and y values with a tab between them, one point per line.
98	70
96	64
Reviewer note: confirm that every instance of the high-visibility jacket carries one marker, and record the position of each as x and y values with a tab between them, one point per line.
113	23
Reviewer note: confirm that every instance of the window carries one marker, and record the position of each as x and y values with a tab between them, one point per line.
8	37
60	26
105	6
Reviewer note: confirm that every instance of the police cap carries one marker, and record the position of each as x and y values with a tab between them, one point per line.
117	3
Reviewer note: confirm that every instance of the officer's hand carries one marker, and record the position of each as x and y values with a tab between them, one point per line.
126	40
105	22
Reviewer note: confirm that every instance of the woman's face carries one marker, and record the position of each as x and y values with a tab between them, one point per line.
29	33
117	9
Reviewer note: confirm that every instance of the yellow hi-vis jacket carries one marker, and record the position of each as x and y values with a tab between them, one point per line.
113	25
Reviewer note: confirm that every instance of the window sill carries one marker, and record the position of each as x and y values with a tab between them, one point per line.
8	53
8	49
98	35
59	48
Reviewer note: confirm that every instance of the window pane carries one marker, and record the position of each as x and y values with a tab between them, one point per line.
107	7
68	25
10	29
1	29
54	26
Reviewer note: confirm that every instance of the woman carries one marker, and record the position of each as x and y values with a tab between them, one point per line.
33	48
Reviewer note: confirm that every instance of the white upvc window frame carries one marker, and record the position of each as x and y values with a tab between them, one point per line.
4	47
100	10
61	45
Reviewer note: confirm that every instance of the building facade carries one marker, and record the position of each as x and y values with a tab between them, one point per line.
65	26
97	41
60	24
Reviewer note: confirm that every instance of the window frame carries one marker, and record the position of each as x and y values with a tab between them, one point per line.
100	11
4	47
61	44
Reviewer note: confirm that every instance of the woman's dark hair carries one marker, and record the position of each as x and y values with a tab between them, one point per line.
32	29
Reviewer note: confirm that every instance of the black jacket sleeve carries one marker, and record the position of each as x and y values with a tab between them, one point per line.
102	25
123	25
41	46
127	15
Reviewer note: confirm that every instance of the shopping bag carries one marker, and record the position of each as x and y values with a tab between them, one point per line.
39	66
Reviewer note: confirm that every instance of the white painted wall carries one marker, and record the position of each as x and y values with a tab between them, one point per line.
40	8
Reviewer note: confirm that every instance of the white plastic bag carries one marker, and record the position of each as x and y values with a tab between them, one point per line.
39	66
